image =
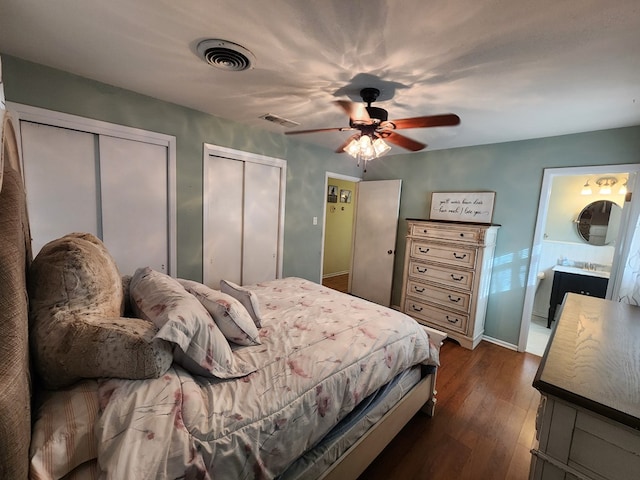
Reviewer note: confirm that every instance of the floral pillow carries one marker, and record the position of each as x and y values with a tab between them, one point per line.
228	313
246	297
201	348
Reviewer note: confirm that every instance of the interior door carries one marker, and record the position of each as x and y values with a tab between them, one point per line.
134	190
60	169
376	228
261	222
223	198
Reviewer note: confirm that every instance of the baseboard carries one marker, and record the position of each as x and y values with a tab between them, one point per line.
336	274
501	343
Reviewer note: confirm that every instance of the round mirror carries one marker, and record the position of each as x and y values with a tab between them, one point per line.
599	221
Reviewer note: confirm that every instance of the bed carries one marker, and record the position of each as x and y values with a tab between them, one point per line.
326	383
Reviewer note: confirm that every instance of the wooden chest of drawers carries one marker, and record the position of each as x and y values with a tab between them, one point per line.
447	272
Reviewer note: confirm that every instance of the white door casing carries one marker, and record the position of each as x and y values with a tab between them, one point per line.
374	244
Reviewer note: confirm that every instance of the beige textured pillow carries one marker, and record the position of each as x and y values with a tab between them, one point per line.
246	297
76	303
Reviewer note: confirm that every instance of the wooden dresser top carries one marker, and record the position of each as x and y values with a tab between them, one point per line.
593	358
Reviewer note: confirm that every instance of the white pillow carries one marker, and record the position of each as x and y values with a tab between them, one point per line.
181	319
246	297
228	313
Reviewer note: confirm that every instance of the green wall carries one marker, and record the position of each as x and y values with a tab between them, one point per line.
513	170
44	87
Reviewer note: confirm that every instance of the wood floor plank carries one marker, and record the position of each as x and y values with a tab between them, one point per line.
484	424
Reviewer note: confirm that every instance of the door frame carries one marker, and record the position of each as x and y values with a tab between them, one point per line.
621	249
337	176
233	154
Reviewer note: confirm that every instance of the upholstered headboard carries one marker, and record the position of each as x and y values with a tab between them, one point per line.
15	256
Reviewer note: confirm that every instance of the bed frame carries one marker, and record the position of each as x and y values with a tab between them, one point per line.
16	389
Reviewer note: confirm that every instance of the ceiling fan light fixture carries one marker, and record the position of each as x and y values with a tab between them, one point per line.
367	152
353	148
381	147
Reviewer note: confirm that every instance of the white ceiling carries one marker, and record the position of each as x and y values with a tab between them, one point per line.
511	69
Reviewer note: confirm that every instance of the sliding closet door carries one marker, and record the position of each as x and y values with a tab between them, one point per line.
60	169
243	216
116	182
261	222
134	186
224	193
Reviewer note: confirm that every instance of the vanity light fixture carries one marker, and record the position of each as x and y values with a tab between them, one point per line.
586	189
605	184
623	188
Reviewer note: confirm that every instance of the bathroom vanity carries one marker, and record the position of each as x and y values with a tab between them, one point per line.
575	280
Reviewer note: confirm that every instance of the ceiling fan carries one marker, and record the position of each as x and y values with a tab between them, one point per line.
372	126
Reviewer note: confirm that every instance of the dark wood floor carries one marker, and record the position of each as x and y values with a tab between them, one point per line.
484	423
337	282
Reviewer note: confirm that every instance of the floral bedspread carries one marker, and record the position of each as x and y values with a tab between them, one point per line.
321	353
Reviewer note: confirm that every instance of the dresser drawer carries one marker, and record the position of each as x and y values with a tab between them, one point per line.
448	233
445	275
441	296
435	316
449	254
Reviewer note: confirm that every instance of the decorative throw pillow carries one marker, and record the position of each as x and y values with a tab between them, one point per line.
228	313
246	297
63	434
181	319
76	302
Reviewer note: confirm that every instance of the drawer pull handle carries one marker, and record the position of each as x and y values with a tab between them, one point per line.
461	257
418	289
416	309
421	269
457	279
454	300
462	235
423	250
424	231
455	320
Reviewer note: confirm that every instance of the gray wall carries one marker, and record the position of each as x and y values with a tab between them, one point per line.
513	170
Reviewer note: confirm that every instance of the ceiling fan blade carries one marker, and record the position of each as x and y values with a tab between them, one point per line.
341	148
446	120
404	142
357	111
337	129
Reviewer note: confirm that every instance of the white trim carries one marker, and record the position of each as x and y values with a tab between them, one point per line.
337	176
64	120
624	234
500	343
216	150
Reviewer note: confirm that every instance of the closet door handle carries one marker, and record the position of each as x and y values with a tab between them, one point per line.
418	289
454	300
457	279
455	320
461	257
416	309
423	250
421	269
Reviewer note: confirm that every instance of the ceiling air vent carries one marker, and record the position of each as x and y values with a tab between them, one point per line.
285	122
225	55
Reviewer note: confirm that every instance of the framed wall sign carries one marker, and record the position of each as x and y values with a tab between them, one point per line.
474	207
345	196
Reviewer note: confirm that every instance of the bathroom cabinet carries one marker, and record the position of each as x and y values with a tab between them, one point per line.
575	280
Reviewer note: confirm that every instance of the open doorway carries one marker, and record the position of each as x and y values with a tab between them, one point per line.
340	205
559	246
